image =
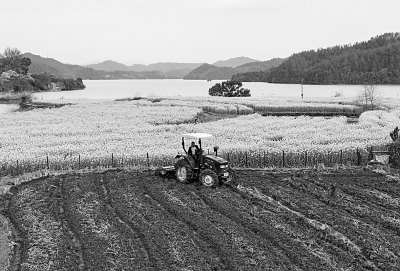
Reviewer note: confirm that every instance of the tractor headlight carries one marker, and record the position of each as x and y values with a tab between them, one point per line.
223	166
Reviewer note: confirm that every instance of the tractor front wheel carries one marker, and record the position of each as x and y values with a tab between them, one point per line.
183	171
231	177
208	178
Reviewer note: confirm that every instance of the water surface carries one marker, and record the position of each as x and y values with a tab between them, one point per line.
114	89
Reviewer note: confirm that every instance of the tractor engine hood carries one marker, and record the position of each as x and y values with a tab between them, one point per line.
215	159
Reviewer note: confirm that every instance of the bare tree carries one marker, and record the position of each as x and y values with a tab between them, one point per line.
12	53
11	59
369	95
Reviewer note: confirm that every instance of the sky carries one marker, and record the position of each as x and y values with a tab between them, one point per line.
188	31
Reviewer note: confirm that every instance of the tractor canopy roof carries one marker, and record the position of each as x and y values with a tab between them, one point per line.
198	135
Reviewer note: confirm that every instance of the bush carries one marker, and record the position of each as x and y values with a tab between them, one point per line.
26	98
229	89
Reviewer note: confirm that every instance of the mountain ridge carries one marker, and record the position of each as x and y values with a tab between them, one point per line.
48	65
160	70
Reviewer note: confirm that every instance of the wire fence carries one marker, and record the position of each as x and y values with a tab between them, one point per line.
239	159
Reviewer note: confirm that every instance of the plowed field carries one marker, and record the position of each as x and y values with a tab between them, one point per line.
342	220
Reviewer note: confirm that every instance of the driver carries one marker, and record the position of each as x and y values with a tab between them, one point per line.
193	150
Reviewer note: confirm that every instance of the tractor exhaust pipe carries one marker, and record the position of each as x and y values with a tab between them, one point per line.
216	150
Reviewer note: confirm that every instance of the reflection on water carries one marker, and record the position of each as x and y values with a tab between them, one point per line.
116	89
5	108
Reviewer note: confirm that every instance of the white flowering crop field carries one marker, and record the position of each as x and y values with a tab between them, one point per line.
127	131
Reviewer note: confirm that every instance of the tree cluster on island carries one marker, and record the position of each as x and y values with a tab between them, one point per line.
14	76
376	61
229	89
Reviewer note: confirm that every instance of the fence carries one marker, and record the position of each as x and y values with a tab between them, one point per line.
243	159
263	159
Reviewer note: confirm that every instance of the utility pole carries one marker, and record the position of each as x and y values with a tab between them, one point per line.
302	88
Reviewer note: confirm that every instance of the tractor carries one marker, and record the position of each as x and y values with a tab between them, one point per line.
195	165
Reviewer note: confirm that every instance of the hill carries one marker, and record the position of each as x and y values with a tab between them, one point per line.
52	66
234	62
375	61
208	71
109	65
169	66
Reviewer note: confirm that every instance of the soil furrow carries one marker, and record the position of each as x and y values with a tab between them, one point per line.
169	237
136	230
14	260
202	228
253	248
35	210
291	250
383	256
107	243
68	227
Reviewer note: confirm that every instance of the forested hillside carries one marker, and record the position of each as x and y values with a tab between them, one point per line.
375	61
207	71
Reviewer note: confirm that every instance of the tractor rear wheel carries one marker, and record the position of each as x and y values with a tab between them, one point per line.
208	178
183	171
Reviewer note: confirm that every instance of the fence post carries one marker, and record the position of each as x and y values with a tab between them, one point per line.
17	167
112	159
148	161
283	158
47	162
305	159
228	157
79	161
370	155
341	157
264	159
246	160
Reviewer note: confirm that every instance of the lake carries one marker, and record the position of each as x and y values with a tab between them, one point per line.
114	89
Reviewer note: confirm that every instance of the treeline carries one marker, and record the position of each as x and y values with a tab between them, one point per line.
376	61
14	76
